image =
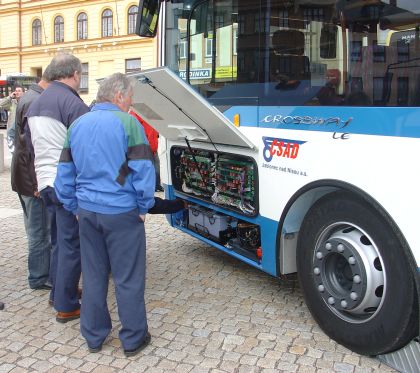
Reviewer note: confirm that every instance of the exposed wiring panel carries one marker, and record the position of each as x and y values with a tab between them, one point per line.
219	178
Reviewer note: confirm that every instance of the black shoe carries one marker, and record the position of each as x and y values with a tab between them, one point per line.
43	287
94	350
135	351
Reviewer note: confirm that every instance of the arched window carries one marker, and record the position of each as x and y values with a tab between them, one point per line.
82	26
36	32
106	23
132	16
58	29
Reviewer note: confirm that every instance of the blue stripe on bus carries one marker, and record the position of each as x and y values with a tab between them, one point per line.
382	121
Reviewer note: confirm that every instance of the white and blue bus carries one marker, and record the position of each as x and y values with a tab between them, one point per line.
292	128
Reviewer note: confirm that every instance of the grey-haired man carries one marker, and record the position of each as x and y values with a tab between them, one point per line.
49	117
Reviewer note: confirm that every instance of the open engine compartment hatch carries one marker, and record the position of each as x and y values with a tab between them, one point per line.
228	181
178	112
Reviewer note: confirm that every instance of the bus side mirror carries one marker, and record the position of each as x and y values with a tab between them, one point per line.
147	18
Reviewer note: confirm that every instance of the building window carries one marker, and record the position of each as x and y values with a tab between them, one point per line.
132	16
82	26
132	65
402	91
182	50
283	18
209	47
241	24
219	21
356	84
403	50
378	52
84	79
328	42
36	32
257	23
356	51
378	90
313	14
106	23
235	41
58	29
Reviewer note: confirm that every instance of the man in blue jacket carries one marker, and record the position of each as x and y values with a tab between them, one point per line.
106	176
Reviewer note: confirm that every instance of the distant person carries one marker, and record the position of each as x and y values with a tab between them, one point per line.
23	180
106	176
10	103
49	117
153	138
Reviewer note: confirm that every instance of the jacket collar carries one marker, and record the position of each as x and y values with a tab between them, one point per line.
35	87
65	86
105	106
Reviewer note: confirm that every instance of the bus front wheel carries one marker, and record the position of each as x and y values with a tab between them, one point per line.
355	277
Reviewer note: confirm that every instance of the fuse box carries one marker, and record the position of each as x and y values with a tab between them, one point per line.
226	180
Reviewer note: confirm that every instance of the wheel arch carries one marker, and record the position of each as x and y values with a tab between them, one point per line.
298	205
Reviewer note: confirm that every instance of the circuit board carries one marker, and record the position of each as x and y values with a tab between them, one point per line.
219	178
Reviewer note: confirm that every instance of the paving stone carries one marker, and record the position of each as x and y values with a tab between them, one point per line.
343	368
17	370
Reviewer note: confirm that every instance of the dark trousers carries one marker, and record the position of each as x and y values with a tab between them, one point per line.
113	244
66	298
48	196
35	216
156	163
65	266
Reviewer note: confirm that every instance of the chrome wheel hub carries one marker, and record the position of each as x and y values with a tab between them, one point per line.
348	272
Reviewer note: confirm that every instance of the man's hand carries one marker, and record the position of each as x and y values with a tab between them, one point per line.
37	194
142	218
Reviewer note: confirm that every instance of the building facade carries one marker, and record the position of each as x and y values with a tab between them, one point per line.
100	33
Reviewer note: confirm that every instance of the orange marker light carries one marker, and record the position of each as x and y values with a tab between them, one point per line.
259	253
236	120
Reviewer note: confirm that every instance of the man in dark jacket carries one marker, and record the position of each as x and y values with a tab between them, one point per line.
23	181
49	117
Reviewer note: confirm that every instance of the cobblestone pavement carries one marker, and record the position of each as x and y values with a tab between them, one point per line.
207	312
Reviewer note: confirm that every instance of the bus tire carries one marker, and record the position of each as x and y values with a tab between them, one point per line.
355	276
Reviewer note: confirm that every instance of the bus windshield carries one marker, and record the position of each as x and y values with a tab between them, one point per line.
297	52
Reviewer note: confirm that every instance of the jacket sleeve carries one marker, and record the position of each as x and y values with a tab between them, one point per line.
65	181
5	103
78	109
140	163
167	206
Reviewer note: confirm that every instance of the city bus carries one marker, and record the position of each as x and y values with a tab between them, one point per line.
292	128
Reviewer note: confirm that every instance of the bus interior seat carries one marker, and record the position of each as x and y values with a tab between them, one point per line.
287	60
